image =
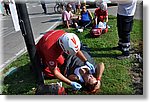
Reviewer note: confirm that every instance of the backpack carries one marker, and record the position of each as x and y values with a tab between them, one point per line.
96	32
52	89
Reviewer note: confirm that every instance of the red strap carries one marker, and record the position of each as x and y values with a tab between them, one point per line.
98	79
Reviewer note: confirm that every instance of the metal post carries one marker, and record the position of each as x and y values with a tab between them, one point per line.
27	33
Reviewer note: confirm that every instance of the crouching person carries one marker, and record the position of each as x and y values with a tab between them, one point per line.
50	49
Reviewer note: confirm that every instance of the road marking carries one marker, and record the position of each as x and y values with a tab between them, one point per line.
24	50
10	31
52	27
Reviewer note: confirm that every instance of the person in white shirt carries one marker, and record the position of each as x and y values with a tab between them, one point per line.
125	14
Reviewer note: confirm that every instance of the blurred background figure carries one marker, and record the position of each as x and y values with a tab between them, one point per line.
101	14
73	4
1	8
44	6
6	6
78	6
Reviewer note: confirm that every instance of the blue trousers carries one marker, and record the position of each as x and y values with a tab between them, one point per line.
124	25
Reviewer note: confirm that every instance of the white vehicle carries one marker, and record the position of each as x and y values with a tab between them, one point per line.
109	2
89	2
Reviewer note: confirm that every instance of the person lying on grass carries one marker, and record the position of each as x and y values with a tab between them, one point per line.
77	71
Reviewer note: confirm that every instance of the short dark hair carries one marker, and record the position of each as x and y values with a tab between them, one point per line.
69	5
90	87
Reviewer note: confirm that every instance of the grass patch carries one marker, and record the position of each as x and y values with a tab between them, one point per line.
116	78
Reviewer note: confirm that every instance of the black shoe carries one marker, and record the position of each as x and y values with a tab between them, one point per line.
44	13
116	48
121	57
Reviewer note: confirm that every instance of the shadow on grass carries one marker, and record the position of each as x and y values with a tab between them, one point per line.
19	82
54	20
101	49
104	55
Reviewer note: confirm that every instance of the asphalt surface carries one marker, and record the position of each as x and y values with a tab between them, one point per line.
12	43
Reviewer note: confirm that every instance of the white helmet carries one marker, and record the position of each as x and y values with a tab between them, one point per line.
70	43
103	6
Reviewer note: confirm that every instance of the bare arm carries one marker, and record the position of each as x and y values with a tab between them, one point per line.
81	56
99	70
106	19
95	20
90	15
73	77
67	22
60	76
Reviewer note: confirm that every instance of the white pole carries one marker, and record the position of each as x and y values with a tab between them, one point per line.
14	15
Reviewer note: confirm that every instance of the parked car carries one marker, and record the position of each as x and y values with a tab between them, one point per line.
109	2
88	2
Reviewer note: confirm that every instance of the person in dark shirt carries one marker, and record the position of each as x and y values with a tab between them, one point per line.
76	70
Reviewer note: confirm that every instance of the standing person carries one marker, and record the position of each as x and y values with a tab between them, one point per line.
6	6
44	6
50	49
125	14
1	8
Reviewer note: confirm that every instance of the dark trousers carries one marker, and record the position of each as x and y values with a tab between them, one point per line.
85	23
124	25
44	7
6	6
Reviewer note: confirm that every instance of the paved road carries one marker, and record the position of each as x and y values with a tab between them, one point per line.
13	43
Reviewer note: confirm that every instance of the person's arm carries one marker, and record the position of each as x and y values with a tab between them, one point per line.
73	77
60	76
90	15
75	85
95	19
81	56
106	20
99	71
67	23
86	62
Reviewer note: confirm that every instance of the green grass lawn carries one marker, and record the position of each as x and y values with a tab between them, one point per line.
116	78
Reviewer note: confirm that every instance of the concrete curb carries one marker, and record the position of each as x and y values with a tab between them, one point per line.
24	50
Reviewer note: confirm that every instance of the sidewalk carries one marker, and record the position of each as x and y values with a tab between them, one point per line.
15	41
